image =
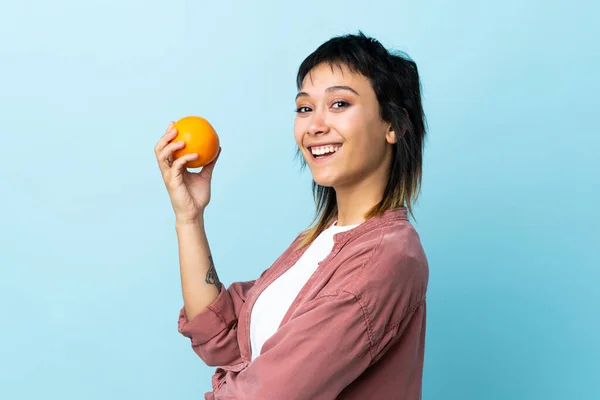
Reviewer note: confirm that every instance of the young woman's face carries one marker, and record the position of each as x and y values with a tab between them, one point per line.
339	129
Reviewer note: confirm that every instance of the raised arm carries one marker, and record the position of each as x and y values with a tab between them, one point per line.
200	283
209	314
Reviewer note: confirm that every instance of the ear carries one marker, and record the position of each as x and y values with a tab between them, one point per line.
390	135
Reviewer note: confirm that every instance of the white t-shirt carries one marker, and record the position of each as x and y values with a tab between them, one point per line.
274	302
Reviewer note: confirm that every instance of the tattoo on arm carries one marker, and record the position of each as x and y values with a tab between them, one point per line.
211	276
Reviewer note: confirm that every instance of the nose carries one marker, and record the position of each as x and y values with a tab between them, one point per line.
318	125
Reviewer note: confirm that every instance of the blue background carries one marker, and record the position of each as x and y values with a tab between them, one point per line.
509	213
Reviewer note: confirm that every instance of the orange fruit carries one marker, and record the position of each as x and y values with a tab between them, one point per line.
199	137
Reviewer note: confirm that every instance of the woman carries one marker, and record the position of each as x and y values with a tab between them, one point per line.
341	313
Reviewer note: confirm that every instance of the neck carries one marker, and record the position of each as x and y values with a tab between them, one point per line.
355	201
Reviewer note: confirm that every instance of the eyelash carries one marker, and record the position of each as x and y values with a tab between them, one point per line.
345	104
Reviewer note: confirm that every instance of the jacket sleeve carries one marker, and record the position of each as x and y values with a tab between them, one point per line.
313	356
213	332
331	340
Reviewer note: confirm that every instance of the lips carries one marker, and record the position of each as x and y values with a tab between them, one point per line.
324	152
318	151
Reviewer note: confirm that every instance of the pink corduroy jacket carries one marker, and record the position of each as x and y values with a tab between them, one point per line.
355	331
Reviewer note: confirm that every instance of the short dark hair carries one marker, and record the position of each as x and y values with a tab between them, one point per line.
395	81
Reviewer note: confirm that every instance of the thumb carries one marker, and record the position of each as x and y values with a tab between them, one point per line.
207	170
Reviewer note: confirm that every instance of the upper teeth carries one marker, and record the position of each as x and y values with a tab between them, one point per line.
317	151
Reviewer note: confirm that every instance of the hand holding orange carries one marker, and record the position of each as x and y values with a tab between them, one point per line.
199	137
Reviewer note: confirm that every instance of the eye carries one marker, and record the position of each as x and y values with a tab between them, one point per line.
302	110
340	104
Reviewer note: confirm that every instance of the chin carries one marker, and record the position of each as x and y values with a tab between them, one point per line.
324	184
325	180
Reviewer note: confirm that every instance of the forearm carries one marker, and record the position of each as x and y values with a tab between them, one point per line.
200	283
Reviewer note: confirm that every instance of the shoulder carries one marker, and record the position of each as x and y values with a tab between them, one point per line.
386	271
393	263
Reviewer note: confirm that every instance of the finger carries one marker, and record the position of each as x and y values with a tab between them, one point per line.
165	139
179	164
214	161
165	157
170	148
207	170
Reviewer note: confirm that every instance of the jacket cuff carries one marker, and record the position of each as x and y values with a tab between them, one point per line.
208	323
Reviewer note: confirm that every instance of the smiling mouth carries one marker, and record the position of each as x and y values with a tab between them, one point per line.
321	152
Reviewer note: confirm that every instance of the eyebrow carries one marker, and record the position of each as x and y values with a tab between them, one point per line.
330	89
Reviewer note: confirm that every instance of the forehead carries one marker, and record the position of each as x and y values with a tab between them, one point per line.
325	75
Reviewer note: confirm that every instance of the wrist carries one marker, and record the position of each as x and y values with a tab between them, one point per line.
187	221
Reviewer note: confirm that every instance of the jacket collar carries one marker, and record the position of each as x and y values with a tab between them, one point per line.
388	216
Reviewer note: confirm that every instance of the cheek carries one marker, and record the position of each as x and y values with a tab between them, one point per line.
298	132
366	147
